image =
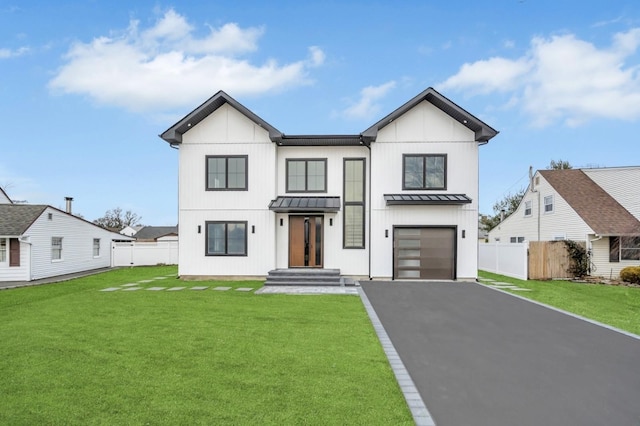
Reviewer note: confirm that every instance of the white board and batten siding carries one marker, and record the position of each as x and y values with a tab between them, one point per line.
424	129
226	132
350	261
77	245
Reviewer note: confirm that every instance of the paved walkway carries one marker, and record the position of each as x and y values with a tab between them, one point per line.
479	356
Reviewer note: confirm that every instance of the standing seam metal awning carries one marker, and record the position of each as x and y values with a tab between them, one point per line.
407	199
305	204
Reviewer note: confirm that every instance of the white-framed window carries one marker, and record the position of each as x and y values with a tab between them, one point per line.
56	248
96	247
548	204
527	208
4	250
516	240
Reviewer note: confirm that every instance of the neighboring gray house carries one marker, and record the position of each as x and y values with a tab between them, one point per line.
40	241
157	233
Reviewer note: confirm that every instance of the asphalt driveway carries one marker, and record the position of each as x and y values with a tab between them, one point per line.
481	357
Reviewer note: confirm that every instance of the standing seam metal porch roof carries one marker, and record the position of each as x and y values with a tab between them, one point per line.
442	199
305	204
483	132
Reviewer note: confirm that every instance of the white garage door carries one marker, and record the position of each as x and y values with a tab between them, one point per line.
425	253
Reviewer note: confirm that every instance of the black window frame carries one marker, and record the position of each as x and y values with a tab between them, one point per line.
306	175
226	237
226	172
354	203
424	186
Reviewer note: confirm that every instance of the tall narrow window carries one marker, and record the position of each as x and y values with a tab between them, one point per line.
354	197
226	238
226	173
56	248
424	171
548	204
96	247
527	208
3	250
308	175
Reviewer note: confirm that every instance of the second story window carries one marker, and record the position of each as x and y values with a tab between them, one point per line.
308	175
548	204
527	208
226	173
424	171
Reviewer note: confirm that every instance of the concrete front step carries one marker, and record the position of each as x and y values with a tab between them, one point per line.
306	277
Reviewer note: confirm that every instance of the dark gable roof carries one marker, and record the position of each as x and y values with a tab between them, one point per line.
483	132
600	211
153	232
173	134
15	219
5	195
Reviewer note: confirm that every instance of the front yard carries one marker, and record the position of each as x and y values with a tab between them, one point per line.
72	354
618	306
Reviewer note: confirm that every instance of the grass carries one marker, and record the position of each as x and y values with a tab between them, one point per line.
618	306
72	355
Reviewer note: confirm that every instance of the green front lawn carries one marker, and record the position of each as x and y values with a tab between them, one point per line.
70	354
618	306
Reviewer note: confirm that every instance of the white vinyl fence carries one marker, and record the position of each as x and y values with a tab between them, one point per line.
140	254
504	259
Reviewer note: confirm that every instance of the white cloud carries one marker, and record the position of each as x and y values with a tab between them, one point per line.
11	53
562	78
367	107
167	66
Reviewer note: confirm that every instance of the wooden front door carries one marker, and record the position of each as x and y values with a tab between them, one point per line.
305	241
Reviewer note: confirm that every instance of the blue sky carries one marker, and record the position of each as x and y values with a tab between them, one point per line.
86	86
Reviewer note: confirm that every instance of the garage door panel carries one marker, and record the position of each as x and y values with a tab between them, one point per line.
424	253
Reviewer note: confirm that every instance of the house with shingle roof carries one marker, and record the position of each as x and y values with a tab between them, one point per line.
157	233
41	241
600	206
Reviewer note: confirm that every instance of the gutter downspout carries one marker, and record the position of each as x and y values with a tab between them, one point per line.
26	241
370	209
531	186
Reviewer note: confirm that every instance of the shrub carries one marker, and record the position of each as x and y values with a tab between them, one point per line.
631	274
579	258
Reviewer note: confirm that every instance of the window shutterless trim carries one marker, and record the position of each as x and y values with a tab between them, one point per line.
226	173
226	237
424	173
306	174
354	203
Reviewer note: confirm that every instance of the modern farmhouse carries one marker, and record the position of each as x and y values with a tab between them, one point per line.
398	200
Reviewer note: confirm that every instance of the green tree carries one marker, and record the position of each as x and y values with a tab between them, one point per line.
505	207
116	220
559	165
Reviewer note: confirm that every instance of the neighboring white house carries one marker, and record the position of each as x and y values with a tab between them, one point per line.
130	231
40	241
599	206
399	200
4	198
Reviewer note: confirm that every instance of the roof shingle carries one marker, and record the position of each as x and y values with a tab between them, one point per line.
600	211
15	219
